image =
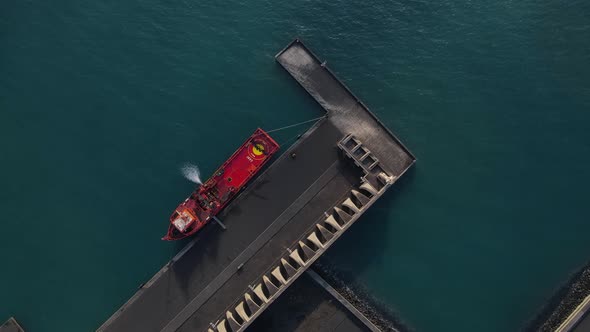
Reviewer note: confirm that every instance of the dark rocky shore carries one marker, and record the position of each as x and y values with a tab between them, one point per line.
558	308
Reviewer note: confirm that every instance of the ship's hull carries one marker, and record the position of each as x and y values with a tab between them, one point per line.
211	197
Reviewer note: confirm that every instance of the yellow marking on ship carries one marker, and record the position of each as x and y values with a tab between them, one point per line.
257	149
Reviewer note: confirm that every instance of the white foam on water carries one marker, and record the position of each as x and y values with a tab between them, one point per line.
191	172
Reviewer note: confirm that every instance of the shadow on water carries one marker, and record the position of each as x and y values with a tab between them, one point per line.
291	310
306	306
362	244
378	312
359	248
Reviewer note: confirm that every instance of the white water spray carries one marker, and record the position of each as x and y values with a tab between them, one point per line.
192	173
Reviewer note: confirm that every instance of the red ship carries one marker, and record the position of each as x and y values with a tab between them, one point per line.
211	197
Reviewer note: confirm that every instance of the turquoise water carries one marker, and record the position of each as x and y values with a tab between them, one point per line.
102	102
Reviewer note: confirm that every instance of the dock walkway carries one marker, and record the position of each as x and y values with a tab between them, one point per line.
281	223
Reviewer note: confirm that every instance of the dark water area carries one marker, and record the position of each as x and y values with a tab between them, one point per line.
101	103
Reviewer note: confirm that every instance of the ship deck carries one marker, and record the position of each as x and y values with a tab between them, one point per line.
210	276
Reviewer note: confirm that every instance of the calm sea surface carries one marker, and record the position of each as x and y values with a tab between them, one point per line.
101	102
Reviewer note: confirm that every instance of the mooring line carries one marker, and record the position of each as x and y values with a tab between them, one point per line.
297	124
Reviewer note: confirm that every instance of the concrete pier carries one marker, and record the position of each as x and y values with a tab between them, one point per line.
11	325
283	221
